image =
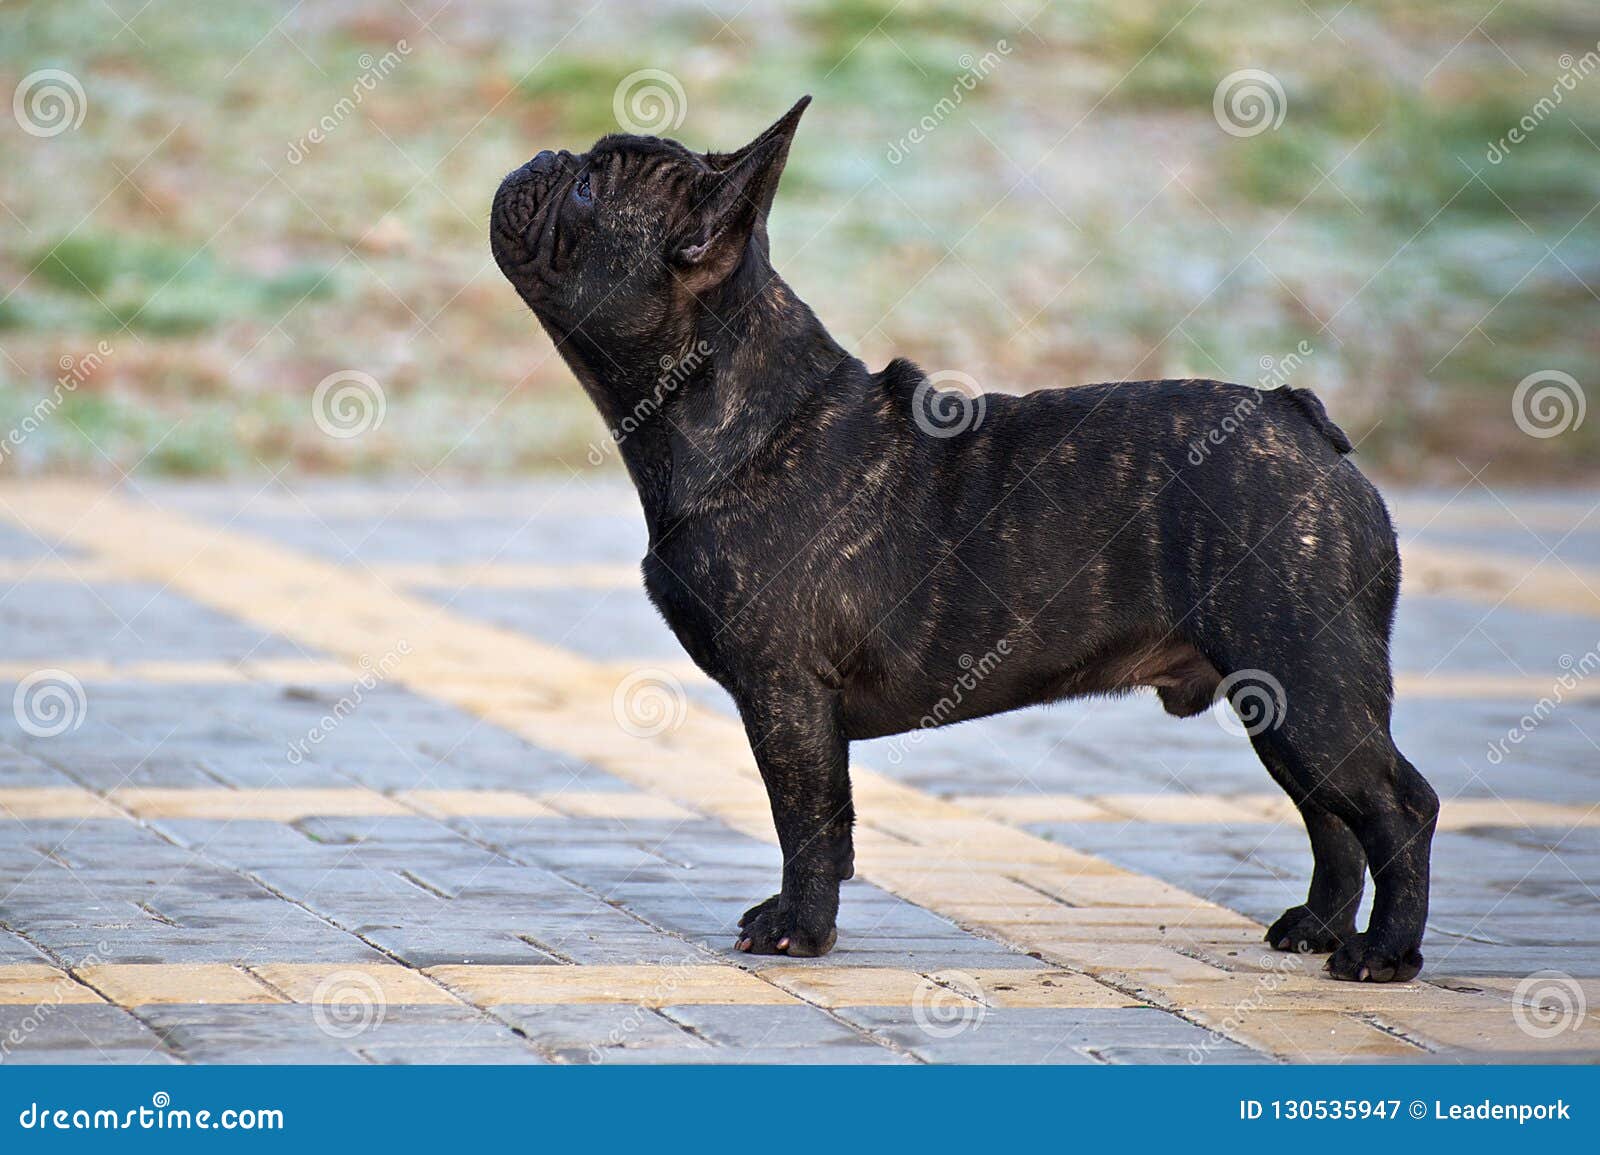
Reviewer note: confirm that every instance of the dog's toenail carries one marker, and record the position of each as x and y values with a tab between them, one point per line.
783	944
1363	975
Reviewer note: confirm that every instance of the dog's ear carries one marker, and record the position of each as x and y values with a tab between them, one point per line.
731	204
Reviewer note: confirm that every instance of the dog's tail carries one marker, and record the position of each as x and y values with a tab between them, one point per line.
1311	405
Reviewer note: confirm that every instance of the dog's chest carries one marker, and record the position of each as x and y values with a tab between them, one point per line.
694	608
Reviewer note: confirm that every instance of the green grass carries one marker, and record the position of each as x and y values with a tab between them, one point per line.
246	279
158	287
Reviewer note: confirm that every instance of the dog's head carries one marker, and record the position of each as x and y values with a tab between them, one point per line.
615	244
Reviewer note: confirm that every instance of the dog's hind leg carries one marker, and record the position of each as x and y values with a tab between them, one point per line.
803	757
1341	760
1394	817
1327	918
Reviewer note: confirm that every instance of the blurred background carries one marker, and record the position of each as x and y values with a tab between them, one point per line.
251	236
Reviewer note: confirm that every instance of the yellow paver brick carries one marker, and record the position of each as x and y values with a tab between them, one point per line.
1022	809
621	804
1037	988
24	802
476	804
1177	806
1311	1036
647	986
39	984
383	984
845	986
278	805
145	984
1493	1029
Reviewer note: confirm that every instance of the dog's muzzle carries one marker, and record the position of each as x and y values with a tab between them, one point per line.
518	200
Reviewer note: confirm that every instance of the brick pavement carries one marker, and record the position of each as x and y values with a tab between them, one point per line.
353	774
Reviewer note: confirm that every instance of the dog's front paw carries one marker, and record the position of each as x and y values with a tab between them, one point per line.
759	908
1302	932
1360	960
767	928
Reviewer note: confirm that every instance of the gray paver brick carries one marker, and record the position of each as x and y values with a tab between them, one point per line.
289	1033
1027	1035
49	621
76	1033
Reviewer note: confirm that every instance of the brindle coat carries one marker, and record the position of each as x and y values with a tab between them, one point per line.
835	559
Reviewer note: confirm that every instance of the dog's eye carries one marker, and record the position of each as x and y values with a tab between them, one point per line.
581	190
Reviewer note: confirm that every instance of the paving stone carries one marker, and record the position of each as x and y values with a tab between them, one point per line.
860	1055
74	1033
30	984
766	1027
1222	1052
17	544
49	621
595	873
15	951
608	625
594	1032
287	1033
1013	1035
363	983
553	536
142	985
653	986
448	1054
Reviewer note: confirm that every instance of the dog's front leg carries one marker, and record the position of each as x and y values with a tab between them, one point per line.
800	747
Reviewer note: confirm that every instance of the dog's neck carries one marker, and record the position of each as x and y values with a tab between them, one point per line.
700	399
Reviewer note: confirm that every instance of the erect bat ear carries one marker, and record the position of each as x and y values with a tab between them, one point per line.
731	204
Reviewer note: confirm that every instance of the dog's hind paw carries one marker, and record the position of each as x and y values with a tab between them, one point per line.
1300	931
1361	961
765	929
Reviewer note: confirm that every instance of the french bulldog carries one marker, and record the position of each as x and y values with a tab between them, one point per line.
832	544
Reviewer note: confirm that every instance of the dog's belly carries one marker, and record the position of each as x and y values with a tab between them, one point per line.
999	683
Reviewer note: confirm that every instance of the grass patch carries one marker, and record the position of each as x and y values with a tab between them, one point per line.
158	287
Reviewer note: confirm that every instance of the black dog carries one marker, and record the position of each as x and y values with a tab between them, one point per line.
825	541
